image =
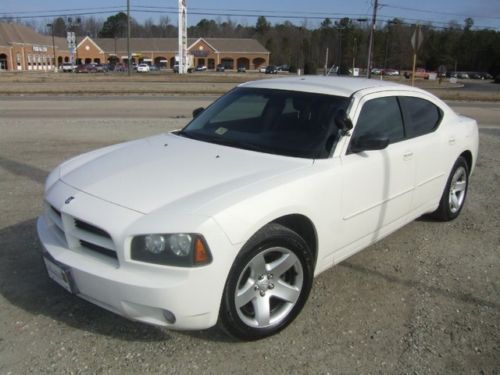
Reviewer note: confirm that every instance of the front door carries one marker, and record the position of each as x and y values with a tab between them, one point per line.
377	185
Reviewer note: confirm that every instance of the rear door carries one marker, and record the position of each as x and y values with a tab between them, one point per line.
422	120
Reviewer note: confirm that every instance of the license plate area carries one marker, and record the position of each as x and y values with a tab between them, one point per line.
61	274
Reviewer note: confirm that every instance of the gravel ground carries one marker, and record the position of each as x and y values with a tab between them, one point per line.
426	300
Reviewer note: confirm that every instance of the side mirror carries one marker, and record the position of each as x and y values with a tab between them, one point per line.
197	111
369	143
343	123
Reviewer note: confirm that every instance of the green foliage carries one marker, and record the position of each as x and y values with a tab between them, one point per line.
59	27
262	26
114	26
458	45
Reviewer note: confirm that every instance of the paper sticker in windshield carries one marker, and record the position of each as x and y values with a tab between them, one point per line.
221	131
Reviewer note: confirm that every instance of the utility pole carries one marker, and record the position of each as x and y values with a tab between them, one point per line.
416	42
354	52
128	40
326	61
370	44
54	57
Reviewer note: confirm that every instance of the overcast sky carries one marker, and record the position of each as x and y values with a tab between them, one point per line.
485	13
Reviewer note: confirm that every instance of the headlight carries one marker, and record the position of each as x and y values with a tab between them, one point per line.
178	249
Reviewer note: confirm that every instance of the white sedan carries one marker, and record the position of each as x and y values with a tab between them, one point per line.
143	68
230	218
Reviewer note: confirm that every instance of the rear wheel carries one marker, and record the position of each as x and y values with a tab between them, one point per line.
453	198
268	284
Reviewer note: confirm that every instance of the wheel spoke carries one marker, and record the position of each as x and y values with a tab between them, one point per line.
245	294
283	264
454	202
258	265
286	292
262	310
460	186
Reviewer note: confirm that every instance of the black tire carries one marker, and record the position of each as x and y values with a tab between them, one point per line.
266	313
453	200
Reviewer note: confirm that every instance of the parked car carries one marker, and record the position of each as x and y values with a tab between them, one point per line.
86	68
283	68
485	75
242	69
101	68
262	69
391	72
201	68
67	67
271	69
229	219
377	71
154	68
220	68
143	68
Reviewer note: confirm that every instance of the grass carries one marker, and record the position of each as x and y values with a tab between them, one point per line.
206	83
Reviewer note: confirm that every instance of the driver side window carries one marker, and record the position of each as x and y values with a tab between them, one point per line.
380	117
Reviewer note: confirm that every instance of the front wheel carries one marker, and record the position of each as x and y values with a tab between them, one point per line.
268	284
453	198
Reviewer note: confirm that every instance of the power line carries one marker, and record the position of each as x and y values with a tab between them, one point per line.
437	13
63	10
227	13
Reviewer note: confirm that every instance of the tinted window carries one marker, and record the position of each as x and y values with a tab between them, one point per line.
290	123
380	117
423	116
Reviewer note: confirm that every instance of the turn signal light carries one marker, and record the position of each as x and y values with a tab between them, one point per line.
201	254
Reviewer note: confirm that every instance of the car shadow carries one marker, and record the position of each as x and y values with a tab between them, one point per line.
25	284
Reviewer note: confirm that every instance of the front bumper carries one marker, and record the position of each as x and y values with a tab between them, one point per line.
135	290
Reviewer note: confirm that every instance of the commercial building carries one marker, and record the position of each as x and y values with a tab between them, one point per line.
23	49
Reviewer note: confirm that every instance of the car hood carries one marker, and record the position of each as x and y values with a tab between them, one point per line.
151	173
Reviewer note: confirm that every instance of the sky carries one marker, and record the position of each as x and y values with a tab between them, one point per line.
486	13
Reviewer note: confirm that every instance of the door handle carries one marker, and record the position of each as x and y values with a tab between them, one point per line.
451	141
407	155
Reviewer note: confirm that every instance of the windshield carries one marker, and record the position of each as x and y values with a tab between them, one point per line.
279	122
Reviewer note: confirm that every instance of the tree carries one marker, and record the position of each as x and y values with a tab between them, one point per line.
59	26
326	23
262	26
114	26
468	23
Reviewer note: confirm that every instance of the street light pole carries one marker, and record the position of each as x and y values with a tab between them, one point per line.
51	25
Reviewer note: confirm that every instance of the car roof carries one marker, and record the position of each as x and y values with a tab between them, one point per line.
341	86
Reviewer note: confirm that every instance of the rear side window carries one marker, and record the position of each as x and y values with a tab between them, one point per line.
380	117
422	116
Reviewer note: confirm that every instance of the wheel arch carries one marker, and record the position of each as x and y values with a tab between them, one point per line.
305	228
467	155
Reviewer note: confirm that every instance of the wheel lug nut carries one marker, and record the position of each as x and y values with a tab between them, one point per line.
261	277
271	286
255	288
262	293
269	275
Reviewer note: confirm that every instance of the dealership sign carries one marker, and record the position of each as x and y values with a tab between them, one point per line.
200	53
39	48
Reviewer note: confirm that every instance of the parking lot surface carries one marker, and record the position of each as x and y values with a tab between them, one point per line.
424	300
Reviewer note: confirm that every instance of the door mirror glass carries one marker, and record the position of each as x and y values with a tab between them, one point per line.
369	143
